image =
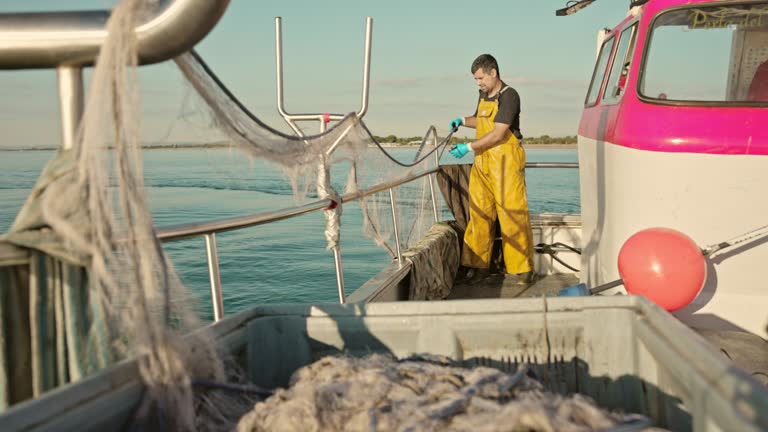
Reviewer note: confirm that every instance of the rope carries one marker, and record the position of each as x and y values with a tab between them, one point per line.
255	119
755	234
544	248
564	264
443	143
706	251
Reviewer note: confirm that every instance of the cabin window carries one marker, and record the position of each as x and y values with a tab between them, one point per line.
599	74
708	54
617	78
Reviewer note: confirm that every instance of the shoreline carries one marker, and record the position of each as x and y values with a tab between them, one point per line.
222	146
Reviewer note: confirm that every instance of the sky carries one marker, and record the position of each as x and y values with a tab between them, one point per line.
421	54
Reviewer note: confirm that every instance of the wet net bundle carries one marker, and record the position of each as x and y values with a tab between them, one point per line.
422	393
90	209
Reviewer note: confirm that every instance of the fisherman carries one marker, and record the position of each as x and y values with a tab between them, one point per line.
497	179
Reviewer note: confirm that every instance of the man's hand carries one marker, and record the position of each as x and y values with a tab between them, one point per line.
459	150
456	123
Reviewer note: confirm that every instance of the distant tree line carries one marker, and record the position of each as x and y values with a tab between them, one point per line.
392	139
544	139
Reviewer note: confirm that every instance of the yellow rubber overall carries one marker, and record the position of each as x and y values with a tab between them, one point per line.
497	189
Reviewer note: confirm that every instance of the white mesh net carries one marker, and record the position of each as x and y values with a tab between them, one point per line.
145	308
422	393
140	308
307	161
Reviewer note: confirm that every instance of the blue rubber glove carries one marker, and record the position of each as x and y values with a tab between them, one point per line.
456	123
459	150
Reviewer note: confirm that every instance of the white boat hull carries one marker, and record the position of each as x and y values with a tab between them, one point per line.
711	198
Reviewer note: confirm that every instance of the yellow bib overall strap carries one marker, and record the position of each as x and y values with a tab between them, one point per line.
497	189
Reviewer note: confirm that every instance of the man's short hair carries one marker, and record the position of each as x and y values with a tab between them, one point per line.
487	63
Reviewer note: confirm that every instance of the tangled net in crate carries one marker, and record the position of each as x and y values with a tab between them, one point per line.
380	393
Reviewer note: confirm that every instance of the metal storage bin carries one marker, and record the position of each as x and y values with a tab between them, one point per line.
624	352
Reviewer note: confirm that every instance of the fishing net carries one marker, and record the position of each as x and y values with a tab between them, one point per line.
144	308
347	148
90	209
380	393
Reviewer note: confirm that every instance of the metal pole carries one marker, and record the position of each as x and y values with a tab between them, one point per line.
50	39
394	223
279	72
343	135
432	183
279	63
215	276
366	66
292	118
336	251
295	128
70	102
339	275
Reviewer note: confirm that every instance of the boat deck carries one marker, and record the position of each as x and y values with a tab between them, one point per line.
746	350
495	286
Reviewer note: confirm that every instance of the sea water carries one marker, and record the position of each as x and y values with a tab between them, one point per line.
281	262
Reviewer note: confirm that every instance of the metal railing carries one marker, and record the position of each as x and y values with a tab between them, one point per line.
552	165
185	231
46	40
69	41
209	229
324	119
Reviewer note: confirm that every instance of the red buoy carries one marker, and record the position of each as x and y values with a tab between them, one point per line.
664	265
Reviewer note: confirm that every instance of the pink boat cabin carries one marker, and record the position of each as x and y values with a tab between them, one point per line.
674	133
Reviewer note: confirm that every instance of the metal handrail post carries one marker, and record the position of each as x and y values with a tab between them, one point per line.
339	275
343	135
70	102
336	250
432	183
394	224
292	118
214	275
279	73
366	67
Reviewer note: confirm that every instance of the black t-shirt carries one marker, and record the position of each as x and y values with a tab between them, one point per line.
509	108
